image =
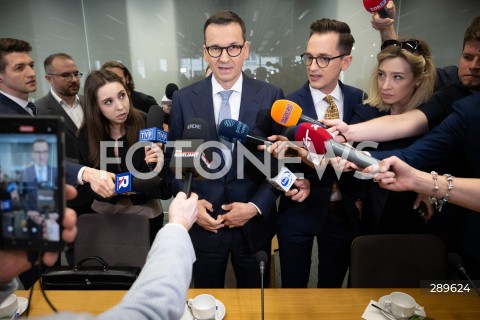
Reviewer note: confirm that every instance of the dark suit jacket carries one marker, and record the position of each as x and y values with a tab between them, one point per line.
30	185
47	105
8	106
257	98
142	101
309	216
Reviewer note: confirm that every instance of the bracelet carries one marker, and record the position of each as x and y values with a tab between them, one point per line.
445	197
341	135
433	199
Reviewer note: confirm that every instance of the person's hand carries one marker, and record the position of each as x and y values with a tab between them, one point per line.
394	174
379	23
301	192
14	195
102	182
183	210
35	216
14	262
154	153
205	220
283	148
238	213
338	128
166	108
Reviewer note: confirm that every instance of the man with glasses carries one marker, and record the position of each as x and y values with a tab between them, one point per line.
62	74
236	215
329	213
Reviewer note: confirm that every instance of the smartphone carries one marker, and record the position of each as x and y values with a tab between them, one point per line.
31	183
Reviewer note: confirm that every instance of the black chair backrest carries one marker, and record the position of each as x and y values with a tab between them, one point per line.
119	239
397	260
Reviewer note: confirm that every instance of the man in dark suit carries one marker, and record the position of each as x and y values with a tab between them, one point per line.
236	215
62	74
329	213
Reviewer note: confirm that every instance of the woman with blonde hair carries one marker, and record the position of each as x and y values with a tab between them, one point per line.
403	80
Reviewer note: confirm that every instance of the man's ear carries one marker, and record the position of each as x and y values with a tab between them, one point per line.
346	62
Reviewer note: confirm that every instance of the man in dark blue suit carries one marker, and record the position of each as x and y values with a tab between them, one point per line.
329	215
236	215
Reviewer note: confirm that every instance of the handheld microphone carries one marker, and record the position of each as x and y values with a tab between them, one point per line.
153	133
322	141
127	183
170	89
262	259
233	131
195	131
379	6
456	261
287	113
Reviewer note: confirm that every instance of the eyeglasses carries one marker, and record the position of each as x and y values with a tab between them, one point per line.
412	46
233	51
68	76
322	62
41	152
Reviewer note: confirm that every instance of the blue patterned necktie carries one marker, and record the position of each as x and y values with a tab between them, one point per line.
32	107
225	113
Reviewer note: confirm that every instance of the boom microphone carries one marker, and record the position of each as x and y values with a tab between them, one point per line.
170	89
320	141
456	261
287	113
233	131
262	259
379	6
153	133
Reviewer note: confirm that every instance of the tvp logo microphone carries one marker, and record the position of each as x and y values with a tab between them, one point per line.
153	135
123	183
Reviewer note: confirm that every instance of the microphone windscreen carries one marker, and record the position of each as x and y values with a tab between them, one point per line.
233	130
170	89
286	112
196	128
313	137
155	117
262	256
454	259
374	5
144	185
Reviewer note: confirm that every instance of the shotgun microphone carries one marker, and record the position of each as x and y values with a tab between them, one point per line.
262	259
456	261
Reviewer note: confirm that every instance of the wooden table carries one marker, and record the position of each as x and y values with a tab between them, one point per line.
279	303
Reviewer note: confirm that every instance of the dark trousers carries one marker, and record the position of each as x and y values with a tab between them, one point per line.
333	242
210	267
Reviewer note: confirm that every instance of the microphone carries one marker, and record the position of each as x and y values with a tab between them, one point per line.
287	113
456	261
170	89
127	183
379	6
153	133
319	141
195	131
262	259
233	131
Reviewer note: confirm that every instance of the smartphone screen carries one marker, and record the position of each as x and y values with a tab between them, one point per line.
31	183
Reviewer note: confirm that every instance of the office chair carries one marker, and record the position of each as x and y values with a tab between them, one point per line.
397	260
119	239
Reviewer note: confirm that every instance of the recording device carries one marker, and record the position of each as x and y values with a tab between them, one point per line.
32	183
456	261
287	113
322	142
196	131
379	6
127	183
262	259
233	131
153	133
170	89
